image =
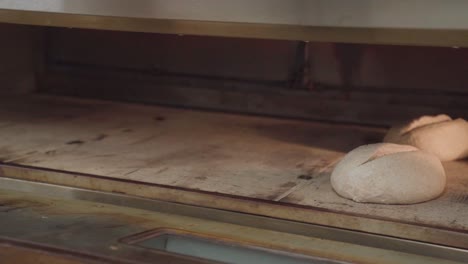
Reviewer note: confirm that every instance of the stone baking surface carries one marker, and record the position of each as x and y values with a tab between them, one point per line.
256	157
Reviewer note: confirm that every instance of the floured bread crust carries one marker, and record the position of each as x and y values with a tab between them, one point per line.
439	135
389	174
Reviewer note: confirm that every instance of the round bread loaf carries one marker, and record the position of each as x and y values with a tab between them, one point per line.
439	135
388	174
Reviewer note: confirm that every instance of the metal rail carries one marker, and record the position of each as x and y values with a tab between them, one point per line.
70	194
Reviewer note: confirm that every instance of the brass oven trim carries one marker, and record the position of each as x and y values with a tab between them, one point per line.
349	223
111	217
370	243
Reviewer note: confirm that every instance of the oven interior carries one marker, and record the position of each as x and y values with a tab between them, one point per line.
242	125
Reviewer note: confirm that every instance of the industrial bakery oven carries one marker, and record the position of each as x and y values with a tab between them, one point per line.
206	131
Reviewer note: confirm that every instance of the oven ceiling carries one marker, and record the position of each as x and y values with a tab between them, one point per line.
410	22
427	14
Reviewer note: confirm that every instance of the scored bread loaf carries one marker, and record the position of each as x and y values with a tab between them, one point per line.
389	174
439	135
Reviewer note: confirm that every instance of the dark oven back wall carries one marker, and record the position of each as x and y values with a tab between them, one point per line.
365	84
20	58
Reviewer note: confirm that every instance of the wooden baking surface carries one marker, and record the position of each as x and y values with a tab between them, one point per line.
264	158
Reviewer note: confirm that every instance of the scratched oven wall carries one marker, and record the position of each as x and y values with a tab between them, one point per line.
327	81
20	58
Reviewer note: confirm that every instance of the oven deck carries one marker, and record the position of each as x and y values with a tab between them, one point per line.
272	167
